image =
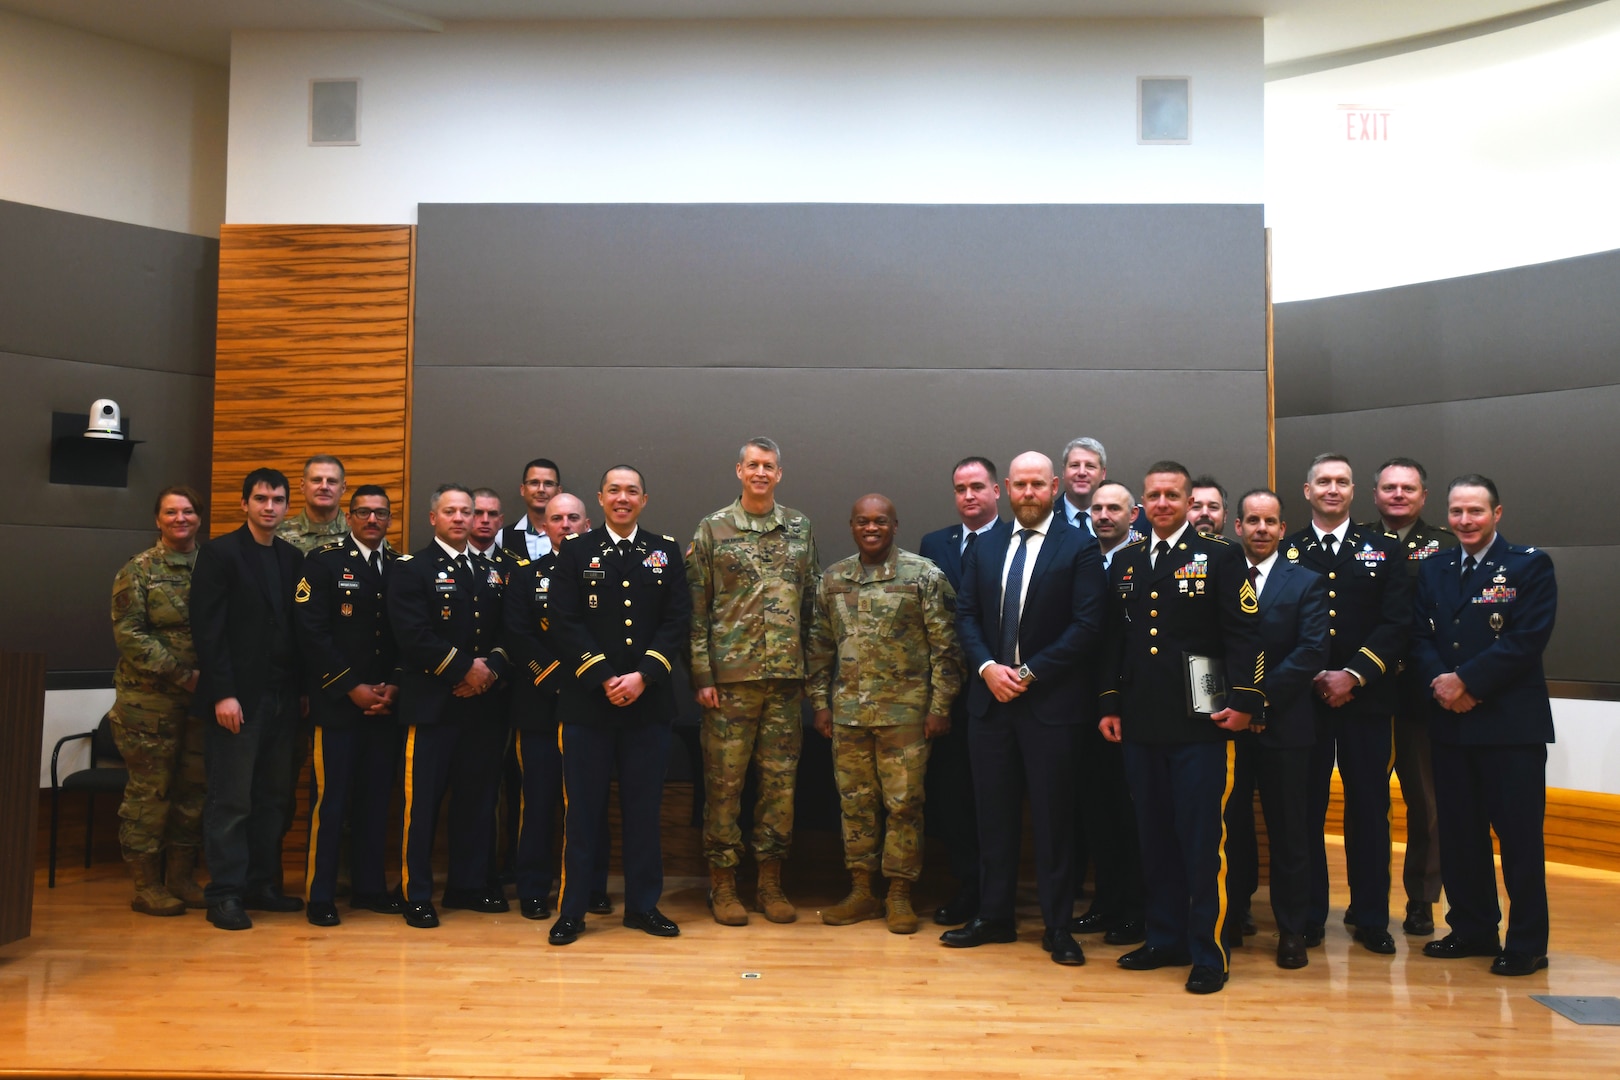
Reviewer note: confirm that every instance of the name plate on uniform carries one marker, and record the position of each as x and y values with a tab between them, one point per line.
1206	683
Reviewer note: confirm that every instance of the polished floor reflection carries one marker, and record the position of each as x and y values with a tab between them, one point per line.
101	989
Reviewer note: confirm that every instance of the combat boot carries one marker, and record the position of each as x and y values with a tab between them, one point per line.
772	900
723	901
902	920
151	898
858	906
180	875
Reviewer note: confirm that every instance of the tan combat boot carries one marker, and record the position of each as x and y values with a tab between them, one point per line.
902	920
180	875
772	900
858	906
151	898
723	901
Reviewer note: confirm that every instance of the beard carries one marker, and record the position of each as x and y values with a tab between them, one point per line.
1030	515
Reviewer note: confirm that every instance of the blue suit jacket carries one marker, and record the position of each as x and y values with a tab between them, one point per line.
944	548
1493	638
1059	629
1294	631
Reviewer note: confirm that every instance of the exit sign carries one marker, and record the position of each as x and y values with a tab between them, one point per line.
1364	123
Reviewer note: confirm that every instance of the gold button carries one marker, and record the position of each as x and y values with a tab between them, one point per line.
1332	594
1153	596
1332	614
627	622
1154	651
1154	614
1372	573
627	641
1153	632
627	603
1332	632
478	614
1331	575
626	584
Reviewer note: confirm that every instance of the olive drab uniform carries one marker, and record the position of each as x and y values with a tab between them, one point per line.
163	746
307	535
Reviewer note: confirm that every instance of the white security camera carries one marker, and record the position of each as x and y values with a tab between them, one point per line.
105	420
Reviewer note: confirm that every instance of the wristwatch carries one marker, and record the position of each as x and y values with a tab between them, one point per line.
1024	674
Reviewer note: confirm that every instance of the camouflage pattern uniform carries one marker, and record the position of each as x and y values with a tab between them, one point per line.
753	581
891	631
161	743
307	535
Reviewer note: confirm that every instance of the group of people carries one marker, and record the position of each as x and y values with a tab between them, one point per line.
1113	658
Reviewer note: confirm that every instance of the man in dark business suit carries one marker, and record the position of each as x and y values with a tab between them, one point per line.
950	810
1485	612
1028	618
1401	492
242	622
444	603
1369	626
620	612
1294	630
1174	597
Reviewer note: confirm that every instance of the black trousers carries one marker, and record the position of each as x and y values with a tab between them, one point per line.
539	760
464	757
1013	752
1503	788
1364	747
1414	764
1283	776
249	804
1110	823
589	757
950	811
1180	792
351	777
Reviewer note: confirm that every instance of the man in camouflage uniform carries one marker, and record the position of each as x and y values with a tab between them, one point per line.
322	520
161	744
752	569
883	673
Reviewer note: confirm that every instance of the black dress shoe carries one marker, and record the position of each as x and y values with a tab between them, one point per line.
599	903
652	922
422	916
961	908
1517	963
1129	932
1349	915
1151	958
229	915
1419	920
1453	947
1092	922
535	908
981	932
1291	953
565	931
1064	949
1248	926
1375	941
475	900
271	898
381	903
1313	936
1205	980
321	913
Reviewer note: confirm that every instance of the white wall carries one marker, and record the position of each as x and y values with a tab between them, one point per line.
94	126
1501	151
753	112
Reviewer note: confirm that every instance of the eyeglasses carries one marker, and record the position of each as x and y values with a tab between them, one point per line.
371	512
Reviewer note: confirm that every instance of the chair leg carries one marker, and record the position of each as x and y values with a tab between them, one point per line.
56	802
89	826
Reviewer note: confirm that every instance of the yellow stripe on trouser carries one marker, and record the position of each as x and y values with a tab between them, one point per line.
1389	770
405	833
315	814
518	748
562	887
1220	884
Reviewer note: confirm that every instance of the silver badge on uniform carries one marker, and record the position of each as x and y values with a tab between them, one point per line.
1496	621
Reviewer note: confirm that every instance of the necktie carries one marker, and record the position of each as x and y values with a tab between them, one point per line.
967	545
1330	544
1254	579
1468	571
624	549
1161	548
1010	594
376	563
464	564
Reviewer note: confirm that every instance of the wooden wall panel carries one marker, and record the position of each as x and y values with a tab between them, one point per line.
22	718
314	356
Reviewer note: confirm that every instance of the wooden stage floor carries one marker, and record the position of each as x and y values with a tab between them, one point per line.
101	991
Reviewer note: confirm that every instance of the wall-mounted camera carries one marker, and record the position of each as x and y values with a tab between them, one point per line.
105	420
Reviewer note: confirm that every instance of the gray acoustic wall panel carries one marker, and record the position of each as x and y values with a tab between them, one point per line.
1514	374
878	344
91	309
835	286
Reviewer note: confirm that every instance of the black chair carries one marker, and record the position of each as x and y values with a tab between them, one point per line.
105	776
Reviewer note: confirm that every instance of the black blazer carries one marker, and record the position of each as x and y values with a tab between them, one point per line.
526	636
611	615
343	630
1059	628
1294	630
234	620
944	548
443	619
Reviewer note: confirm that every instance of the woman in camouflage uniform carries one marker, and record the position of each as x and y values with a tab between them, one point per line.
161	743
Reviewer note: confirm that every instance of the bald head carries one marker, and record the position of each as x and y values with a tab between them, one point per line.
1032	486
873	523
565	515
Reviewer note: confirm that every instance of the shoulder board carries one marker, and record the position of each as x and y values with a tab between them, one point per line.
1216	539
670	538
332	545
403	558
1136	543
572	536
